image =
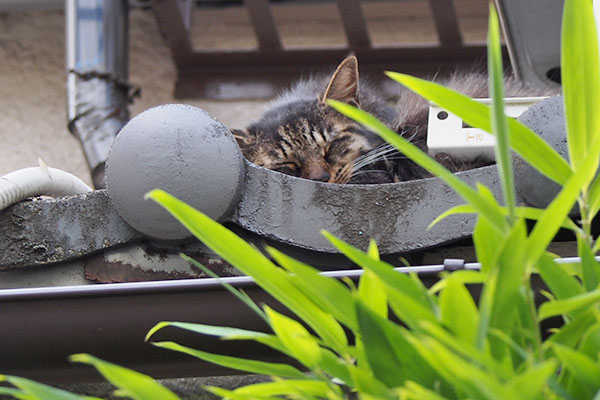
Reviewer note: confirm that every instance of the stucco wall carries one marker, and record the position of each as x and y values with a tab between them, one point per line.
33	120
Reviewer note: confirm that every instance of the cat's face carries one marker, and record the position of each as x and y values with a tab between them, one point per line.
309	139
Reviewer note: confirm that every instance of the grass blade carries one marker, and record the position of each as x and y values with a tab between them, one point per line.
409	299
562	284
499	125
380	354
371	290
556	213
32	390
584	369
134	384
252	262
459	311
328	293
567	306
299	342
589	266
580	79
240	364
240	294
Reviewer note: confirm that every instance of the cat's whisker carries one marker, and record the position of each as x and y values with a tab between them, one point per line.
373	156
376	171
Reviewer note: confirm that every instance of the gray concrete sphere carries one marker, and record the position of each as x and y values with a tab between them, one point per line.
182	150
546	118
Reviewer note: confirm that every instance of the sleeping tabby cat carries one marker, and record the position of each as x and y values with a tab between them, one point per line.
301	135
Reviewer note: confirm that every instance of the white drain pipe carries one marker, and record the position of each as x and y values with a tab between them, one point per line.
28	182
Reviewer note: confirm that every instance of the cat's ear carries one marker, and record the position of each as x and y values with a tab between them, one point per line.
243	138
343	85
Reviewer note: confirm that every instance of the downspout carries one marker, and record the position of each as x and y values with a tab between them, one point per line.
98	92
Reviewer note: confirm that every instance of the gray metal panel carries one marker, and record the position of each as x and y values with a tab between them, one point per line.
532	29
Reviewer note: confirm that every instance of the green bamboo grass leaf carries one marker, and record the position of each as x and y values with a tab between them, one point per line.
252	262
562	284
288	386
328	293
483	359
380	352
584	369
464	276
472	381
460	209
369	386
296	338
523	140
503	337
371	290
413	390
511	273
135	384
556	213
570	334
16	393
408	298
530	384
212	330
590	342
336	367
222	332
488	209
521	212
567	306
240	294
502	260
458	310
486	239
589	266
240	364
594	197
232	395
580	79
499	124
32	390
409	362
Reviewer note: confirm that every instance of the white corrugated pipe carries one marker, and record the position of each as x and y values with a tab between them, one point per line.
36	181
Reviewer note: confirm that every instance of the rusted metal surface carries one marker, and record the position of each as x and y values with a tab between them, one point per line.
45	231
153	261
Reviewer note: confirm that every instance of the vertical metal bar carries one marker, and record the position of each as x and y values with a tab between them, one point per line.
353	20
186	8
446	23
263	24
173	27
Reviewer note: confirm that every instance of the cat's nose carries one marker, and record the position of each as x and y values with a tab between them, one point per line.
317	175
316	170
323	177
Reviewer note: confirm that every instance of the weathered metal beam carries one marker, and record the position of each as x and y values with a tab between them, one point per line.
45	231
173	27
446	23
354	23
263	24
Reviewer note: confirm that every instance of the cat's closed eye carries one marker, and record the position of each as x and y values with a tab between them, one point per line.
287	168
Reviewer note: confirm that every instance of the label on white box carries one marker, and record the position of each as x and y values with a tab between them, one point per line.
446	133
